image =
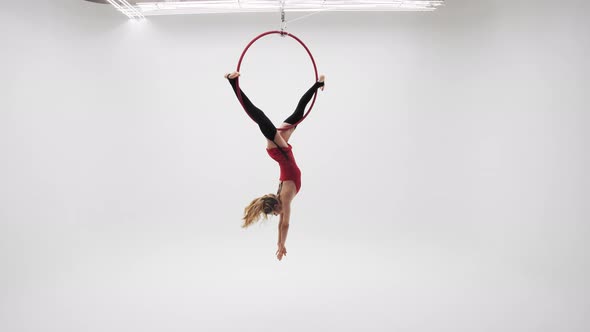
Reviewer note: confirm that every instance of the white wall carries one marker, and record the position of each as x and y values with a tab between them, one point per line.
444	171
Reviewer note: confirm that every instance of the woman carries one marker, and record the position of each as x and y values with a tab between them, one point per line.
279	149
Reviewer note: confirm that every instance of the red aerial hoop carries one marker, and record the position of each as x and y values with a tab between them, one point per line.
282	33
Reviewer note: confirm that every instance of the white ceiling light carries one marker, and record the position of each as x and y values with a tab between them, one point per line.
126	8
233	6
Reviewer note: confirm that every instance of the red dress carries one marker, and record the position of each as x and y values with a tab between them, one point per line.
289	168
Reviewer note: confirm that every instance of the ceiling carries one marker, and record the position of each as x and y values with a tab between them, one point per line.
141	8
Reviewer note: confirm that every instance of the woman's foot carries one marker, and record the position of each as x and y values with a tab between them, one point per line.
321	80
232	75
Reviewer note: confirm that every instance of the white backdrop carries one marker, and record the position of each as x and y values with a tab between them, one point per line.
445	183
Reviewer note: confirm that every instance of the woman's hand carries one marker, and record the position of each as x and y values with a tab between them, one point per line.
281	251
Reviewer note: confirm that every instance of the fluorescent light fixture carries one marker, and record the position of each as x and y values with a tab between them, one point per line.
126	8
237	6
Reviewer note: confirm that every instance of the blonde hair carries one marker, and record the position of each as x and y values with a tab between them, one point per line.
261	206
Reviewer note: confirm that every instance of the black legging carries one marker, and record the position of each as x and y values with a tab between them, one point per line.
266	126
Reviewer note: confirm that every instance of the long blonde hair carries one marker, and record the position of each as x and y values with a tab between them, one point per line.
261	206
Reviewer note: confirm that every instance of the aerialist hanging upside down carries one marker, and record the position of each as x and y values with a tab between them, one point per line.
280	150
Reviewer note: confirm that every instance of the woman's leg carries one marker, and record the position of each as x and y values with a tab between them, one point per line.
300	109
267	128
298	113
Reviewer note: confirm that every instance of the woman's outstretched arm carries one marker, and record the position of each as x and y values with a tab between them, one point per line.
283	230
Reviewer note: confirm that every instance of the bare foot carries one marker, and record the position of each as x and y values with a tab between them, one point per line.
322	78
232	75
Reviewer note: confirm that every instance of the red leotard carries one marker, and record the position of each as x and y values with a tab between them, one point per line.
289	169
